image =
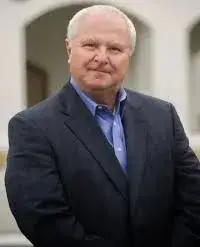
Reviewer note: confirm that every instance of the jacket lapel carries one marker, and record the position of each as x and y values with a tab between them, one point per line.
136	141
81	122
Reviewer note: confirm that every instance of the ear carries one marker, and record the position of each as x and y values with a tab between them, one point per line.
68	48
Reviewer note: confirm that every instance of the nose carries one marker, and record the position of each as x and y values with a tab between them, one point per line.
101	55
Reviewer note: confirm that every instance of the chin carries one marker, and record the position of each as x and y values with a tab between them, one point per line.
99	84
97	80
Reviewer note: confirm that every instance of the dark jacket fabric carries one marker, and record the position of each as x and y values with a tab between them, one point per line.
65	186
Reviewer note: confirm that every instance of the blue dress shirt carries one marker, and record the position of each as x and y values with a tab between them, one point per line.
110	122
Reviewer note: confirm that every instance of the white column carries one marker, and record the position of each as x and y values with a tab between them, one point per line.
12	78
170	72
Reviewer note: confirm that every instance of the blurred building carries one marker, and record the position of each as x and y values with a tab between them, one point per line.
33	61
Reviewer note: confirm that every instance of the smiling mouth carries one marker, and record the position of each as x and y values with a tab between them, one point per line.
100	71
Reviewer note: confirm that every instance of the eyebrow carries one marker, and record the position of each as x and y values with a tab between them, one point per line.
112	43
89	40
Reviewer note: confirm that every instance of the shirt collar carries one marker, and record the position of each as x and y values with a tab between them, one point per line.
92	105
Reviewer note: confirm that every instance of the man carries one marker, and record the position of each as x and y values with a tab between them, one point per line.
98	162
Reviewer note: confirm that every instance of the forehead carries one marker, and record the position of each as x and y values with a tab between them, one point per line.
104	25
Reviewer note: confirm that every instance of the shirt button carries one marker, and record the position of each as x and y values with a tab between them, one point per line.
119	149
115	124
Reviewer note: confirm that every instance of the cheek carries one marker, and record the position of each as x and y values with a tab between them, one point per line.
77	65
76	58
121	67
81	57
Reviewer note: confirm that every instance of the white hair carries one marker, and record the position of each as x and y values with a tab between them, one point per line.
77	18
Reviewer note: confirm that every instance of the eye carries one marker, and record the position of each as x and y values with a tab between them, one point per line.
90	45
115	49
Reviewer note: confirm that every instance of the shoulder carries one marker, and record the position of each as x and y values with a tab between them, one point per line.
158	113
41	114
147	102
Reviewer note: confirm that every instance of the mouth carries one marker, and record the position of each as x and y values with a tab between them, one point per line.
100	71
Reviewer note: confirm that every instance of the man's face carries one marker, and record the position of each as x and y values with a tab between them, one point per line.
99	54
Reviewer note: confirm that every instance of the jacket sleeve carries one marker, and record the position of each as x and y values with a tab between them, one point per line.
186	231
34	189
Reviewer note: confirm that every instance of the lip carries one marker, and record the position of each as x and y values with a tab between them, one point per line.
100	71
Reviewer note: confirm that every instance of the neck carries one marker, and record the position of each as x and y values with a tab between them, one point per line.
103	97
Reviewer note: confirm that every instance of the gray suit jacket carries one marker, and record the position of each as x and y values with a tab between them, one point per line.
65	186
